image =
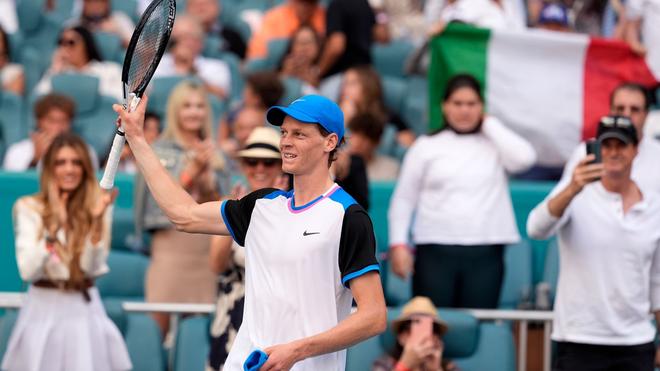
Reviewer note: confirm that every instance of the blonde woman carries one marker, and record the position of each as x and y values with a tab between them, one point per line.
179	271
62	242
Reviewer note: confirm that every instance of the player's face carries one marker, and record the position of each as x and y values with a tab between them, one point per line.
303	147
617	156
192	114
68	170
463	110
630	103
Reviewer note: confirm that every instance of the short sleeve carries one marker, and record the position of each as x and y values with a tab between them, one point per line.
334	18
237	213
357	247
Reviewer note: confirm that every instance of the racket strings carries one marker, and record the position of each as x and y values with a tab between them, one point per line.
148	46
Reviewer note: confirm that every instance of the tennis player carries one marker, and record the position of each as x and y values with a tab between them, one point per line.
309	252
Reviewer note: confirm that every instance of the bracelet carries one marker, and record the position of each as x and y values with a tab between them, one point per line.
401	367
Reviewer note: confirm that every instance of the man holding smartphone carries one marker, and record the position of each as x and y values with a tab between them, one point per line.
609	245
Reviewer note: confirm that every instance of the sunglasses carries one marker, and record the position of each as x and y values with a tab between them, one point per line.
66	42
616	121
267	162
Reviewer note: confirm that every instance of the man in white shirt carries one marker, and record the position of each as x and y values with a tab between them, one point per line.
309	251
630	100
184	58
53	113
609	245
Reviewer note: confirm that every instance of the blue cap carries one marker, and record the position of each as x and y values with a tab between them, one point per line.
312	109
554	13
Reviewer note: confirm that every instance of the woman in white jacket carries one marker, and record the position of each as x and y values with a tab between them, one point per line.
454	183
62	242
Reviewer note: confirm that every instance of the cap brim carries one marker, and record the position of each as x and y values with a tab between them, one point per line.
259	153
615	135
276	114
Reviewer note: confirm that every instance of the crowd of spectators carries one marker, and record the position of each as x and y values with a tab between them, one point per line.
452	185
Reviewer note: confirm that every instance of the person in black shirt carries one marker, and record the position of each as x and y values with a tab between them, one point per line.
349	31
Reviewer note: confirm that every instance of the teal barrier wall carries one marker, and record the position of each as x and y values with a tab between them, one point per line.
525	195
16	185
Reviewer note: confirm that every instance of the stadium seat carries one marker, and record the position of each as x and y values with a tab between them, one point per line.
192	344
276	50
551	269
230	16
123	228
128	7
94	119
38	30
292	90
415	105
144	343
110	46
125	281
12	125
390	59
394	93
469	343
6	325
517	284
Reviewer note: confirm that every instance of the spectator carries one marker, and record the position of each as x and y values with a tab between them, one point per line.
262	90
633	101
178	271
282	21
12	77
97	16
366	131
184	58
350	173
361	92
349	35
208	12
53	113
493	14
126	159
77	52
414	350
403	19
554	17
261	163
609	251
301	59
455	182
62	244
642	30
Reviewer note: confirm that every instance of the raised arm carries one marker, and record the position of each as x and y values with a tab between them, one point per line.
516	152
370	319
181	209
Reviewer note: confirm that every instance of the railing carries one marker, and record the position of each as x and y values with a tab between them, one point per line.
523	317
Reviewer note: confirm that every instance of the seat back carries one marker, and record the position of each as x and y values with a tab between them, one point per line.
126	277
110	46
192	344
390	59
517	283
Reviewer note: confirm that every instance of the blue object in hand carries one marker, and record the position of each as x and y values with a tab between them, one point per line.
255	360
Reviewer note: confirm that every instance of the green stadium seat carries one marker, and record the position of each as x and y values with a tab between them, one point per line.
551	269
415	106
230	16
125	280
192	344
395	90
276	51
110	46
94	120
390	59
12	126
38	30
7	322
128	7
517	283
292	90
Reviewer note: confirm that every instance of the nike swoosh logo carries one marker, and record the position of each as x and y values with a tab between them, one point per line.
310	233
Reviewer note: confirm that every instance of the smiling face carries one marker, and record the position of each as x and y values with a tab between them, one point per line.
617	157
303	147
463	110
192	113
68	169
261	172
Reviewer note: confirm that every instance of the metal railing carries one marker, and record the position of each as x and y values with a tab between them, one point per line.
523	317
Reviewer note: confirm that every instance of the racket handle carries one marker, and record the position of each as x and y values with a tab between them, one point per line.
108	180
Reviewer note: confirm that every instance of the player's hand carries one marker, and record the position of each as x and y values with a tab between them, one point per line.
281	357
585	173
402	260
132	122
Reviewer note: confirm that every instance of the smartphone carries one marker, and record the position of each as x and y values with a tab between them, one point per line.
421	327
593	147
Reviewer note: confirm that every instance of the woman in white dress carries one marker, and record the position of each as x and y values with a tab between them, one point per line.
62	243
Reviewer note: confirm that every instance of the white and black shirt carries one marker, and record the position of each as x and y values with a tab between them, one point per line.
299	264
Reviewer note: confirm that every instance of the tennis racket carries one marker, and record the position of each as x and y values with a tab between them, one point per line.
144	52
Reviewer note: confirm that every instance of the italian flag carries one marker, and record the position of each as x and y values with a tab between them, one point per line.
550	87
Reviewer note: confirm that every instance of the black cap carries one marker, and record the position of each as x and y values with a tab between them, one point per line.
618	127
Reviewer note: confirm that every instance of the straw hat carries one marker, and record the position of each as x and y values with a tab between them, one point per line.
420	305
263	142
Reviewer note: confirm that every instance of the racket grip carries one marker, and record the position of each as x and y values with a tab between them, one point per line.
108	180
